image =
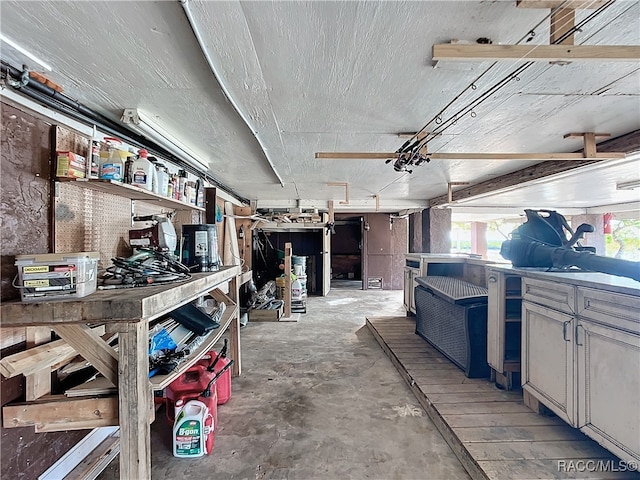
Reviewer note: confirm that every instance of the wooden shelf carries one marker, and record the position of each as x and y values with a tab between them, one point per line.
129	191
158	382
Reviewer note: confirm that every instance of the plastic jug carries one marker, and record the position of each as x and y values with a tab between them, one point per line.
193	426
111	164
141	171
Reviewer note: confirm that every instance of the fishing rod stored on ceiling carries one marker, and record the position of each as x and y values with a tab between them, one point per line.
21	81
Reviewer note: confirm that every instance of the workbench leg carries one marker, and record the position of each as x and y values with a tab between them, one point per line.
234	329
134	398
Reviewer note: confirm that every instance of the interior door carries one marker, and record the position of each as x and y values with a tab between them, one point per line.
326	261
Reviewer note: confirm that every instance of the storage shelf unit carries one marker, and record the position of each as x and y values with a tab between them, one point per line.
127	312
504	326
130	191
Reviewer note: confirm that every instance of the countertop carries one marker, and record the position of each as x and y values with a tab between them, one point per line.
597	280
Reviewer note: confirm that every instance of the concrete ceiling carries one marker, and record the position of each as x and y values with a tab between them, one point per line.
304	77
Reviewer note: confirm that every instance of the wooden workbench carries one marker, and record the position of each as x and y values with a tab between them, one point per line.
128	312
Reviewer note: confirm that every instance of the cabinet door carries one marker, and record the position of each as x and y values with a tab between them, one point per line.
608	362
495	324
547	359
408	293
413	274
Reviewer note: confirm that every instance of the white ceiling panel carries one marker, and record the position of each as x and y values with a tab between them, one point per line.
293	78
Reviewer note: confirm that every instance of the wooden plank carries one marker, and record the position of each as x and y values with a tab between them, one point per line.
532	173
92	465
535	53
470	397
97	460
477	407
479	52
97	386
456	445
551	468
529	433
575	4
589	144
38	383
287	279
500	420
38	358
557	449
89	344
119	305
134	401
484	387
562	22
234	330
62	413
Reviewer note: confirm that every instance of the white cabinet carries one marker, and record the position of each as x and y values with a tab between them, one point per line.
548	363
581	359
608	393
410	275
503	326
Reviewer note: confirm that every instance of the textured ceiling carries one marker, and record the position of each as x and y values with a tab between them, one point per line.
342	76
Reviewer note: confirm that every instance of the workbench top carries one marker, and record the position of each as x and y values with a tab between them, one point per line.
117	305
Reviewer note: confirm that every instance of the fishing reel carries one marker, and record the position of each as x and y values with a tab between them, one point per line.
406	159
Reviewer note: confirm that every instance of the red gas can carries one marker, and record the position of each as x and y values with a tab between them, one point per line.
187	386
223	383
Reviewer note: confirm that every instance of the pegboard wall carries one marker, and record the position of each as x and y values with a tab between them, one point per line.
89	220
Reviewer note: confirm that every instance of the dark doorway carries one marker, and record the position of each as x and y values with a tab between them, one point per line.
346	252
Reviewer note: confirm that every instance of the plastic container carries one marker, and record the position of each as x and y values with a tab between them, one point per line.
53	276
111	166
296	290
193	430
142	171
303	284
299	264
163	179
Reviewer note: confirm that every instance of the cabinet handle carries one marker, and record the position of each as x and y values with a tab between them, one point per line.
577	334
564	330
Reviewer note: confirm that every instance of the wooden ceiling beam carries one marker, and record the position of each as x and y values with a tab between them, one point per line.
573	4
471	156
535	53
534	172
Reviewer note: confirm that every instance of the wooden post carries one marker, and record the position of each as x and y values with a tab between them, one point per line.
479	238
134	401
210	205
38	383
234	329
287	279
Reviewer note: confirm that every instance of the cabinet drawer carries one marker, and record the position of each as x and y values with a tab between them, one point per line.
558	296
614	309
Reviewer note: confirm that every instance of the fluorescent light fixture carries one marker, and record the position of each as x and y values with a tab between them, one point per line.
628	185
26	53
142	123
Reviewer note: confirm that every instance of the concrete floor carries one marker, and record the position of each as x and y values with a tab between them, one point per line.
317	399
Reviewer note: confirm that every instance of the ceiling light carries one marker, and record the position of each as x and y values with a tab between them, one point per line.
26	53
141	122
628	185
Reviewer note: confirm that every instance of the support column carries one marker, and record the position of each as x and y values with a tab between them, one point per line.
595	239
479	238
436	230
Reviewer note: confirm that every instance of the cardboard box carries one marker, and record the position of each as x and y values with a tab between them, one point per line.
70	165
258	315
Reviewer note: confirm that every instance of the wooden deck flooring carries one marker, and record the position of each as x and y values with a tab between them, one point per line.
492	432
